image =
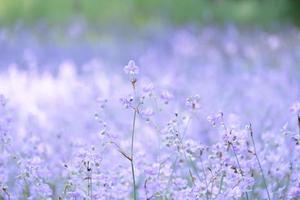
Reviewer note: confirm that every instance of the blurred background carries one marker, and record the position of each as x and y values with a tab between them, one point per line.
141	13
40	33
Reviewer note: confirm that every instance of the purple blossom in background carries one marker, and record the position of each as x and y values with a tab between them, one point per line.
193	102
148	88
295	108
166	96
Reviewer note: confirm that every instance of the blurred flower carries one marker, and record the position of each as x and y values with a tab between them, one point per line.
295	108
167	96
215	118
146	113
193	102
148	88
131	68
127	101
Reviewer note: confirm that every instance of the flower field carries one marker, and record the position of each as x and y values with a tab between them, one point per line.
212	114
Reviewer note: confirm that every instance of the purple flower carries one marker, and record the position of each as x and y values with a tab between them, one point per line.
193	102
295	108
147	112
148	88
131	68
166	96
127	101
215	119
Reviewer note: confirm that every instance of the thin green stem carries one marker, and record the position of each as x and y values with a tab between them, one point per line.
221	183
205	177
259	164
239	165
131	155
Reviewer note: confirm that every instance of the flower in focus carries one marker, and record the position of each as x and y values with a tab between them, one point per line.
193	102
131	68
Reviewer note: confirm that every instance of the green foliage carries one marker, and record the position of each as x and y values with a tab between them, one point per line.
141	12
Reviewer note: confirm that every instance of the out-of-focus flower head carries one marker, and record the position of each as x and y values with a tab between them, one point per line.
295	108
193	102
147	112
127	101
166	96
131	68
215	118
148	88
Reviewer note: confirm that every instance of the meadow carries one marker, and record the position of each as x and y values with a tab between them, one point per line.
210	113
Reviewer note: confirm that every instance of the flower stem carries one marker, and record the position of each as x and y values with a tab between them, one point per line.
131	155
259	164
239	165
205	176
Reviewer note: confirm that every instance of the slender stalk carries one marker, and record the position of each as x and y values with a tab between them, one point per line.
234	152
91	186
131	155
173	171
259	164
205	177
238	163
221	184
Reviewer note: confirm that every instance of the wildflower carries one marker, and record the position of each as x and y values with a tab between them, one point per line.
127	101
148	88
215	119
166	96
295	108
146	113
193	102
131	68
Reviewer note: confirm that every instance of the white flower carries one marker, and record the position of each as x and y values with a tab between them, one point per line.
131	68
